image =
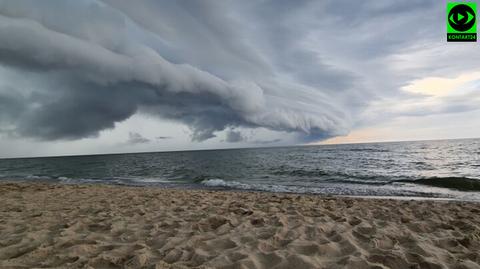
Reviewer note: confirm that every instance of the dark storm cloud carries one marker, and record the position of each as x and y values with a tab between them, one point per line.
136	138
266	142
232	136
212	65
11	103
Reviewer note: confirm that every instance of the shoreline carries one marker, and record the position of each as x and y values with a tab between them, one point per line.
110	226
180	187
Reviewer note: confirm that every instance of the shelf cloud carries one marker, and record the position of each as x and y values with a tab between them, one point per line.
86	66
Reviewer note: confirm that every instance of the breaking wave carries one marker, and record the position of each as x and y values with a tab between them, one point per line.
457	183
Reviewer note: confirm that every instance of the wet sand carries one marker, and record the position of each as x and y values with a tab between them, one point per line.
99	226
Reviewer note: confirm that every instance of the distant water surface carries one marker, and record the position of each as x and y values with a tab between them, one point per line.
440	169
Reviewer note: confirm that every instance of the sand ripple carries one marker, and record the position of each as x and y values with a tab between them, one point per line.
80	226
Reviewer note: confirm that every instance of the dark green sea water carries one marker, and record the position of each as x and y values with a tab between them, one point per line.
442	169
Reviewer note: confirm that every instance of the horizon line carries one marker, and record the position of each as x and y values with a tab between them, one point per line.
234	148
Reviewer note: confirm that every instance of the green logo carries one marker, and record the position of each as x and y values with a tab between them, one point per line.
462	22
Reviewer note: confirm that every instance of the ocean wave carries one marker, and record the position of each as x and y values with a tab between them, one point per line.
319	175
374	150
220	183
216	182
67	180
457	183
301	173
322	177
133	181
324	189
38	177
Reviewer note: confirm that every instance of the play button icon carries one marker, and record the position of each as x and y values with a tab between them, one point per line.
461	18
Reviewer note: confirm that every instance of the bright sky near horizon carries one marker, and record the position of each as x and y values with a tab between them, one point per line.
91	76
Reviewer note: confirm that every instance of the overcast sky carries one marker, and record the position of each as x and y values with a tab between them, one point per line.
80	77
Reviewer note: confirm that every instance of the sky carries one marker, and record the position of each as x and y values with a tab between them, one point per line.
111	76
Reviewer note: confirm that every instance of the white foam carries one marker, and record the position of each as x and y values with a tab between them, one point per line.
216	182
331	188
37	177
146	180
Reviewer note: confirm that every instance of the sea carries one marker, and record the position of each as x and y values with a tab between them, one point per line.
442	169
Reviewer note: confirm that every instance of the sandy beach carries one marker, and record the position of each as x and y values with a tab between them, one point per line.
99	226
